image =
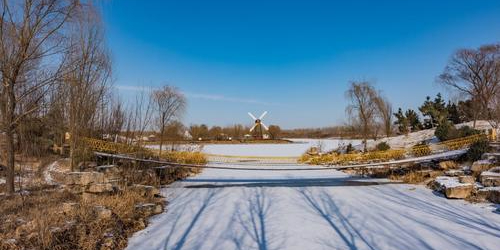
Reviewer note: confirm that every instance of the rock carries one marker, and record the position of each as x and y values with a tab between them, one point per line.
100	188
466	179
144	190
458	192
84	178
111	172
445	165
103	213
148	208
87	165
493	157
490	193
452	188
491	178
480	166
454	173
69	207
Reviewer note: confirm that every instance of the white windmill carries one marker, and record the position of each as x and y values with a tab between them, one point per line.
257	127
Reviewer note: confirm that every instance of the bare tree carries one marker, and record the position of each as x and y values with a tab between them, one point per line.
476	74
170	105
362	108
86	83
384	110
31	44
140	115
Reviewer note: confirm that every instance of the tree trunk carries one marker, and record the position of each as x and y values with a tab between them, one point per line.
72	153
161	141
10	155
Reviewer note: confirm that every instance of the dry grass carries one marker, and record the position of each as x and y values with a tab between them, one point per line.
415	177
185	157
37	221
335	158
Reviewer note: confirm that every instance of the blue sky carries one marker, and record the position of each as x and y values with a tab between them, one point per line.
291	58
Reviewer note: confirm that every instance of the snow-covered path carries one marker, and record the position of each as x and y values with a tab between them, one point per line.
221	209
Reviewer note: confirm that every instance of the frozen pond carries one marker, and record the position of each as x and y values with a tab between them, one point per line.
280	150
291	149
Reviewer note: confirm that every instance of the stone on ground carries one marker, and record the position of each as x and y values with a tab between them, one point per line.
84	178
466	179
481	165
491	178
145	190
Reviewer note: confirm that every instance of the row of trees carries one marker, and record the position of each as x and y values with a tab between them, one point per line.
235	132
474	74
55	74
435	112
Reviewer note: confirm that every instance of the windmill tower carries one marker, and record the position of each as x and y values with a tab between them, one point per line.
257	127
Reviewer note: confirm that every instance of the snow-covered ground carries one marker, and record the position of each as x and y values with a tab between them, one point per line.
296	149
411	139
299	147
323	209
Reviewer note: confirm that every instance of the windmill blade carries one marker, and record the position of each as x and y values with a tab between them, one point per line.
263	114
264	125
253	117
254	126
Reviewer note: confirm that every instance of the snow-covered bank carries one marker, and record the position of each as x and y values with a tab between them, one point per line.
275	210
406	141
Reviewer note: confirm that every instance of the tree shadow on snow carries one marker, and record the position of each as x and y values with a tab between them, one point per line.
410	207
186	233
250	226
328	209
259	183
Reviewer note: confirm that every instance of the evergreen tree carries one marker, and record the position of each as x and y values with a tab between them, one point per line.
401	122
453	114
435	110
413	120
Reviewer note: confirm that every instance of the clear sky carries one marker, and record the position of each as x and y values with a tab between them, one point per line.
291	58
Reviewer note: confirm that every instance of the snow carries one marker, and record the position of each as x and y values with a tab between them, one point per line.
46	174
221	209
406	141
296	149
450	182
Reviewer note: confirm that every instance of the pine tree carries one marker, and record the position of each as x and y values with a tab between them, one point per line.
401	122
413	120
435	110
453	114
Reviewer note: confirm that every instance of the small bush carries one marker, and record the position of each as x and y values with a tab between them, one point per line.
349	148
383	146
477	149
467	131
445	131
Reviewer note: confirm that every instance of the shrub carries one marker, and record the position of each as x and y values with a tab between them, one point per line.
477	149
349	148
445	131
383	146
467	131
